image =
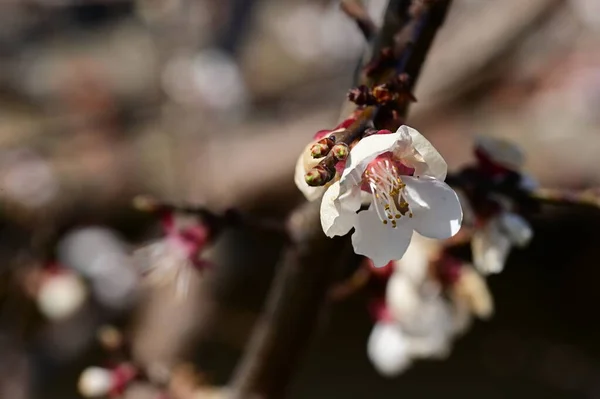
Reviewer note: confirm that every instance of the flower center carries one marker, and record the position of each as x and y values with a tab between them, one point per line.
382	179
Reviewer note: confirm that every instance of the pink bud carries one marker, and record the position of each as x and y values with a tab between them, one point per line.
341	151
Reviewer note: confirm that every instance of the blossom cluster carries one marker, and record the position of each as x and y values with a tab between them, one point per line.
393	190
429	299
399	179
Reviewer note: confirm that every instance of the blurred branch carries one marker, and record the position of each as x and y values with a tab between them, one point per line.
299	292
356	10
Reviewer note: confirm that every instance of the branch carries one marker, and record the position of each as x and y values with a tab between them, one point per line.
299	293
355	9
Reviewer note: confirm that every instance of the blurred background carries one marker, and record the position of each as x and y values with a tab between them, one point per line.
210	102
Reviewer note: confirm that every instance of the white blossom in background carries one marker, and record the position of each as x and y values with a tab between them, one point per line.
27	179
387	348
175	258
61	295
102	257
494	238
404	174
95	382
491	244
419	321
99	382
212	78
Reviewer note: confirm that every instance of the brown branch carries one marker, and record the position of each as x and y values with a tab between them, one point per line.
299	292
355	9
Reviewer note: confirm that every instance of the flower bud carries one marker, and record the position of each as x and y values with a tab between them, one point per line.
95	382
382	94
361	95
322	147
341	151
318	176
110	337
61	295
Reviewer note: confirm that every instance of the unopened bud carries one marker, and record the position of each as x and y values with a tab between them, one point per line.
382	94
341	151
95	382
110	337
321	147
361	95
318	176
61	295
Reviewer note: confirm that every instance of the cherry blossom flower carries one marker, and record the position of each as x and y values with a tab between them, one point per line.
498	223
404	174
61	294
95	382
415	323
174	258
491	244
430	299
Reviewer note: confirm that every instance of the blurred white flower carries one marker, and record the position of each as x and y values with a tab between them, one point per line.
61	295
98	254
422	314
211	77
387	349
491	243
502	152
472	290
498	226
95	382
176	257
404	174
27	179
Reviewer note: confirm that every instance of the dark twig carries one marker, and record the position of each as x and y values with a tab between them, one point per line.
216	221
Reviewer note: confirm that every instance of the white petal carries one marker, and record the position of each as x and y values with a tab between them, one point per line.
471	288
528	182
435	206
435	165
517	229
338	215
432	313
387	350
465	204
402	297
415	262
95	382
431	332
310	193
61	295
461	315
490	248
368	149
501	151
380	242
435	345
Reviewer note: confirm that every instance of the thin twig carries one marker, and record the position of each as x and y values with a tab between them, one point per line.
356	10
217	221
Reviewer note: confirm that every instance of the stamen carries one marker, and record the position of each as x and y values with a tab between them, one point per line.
386	186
